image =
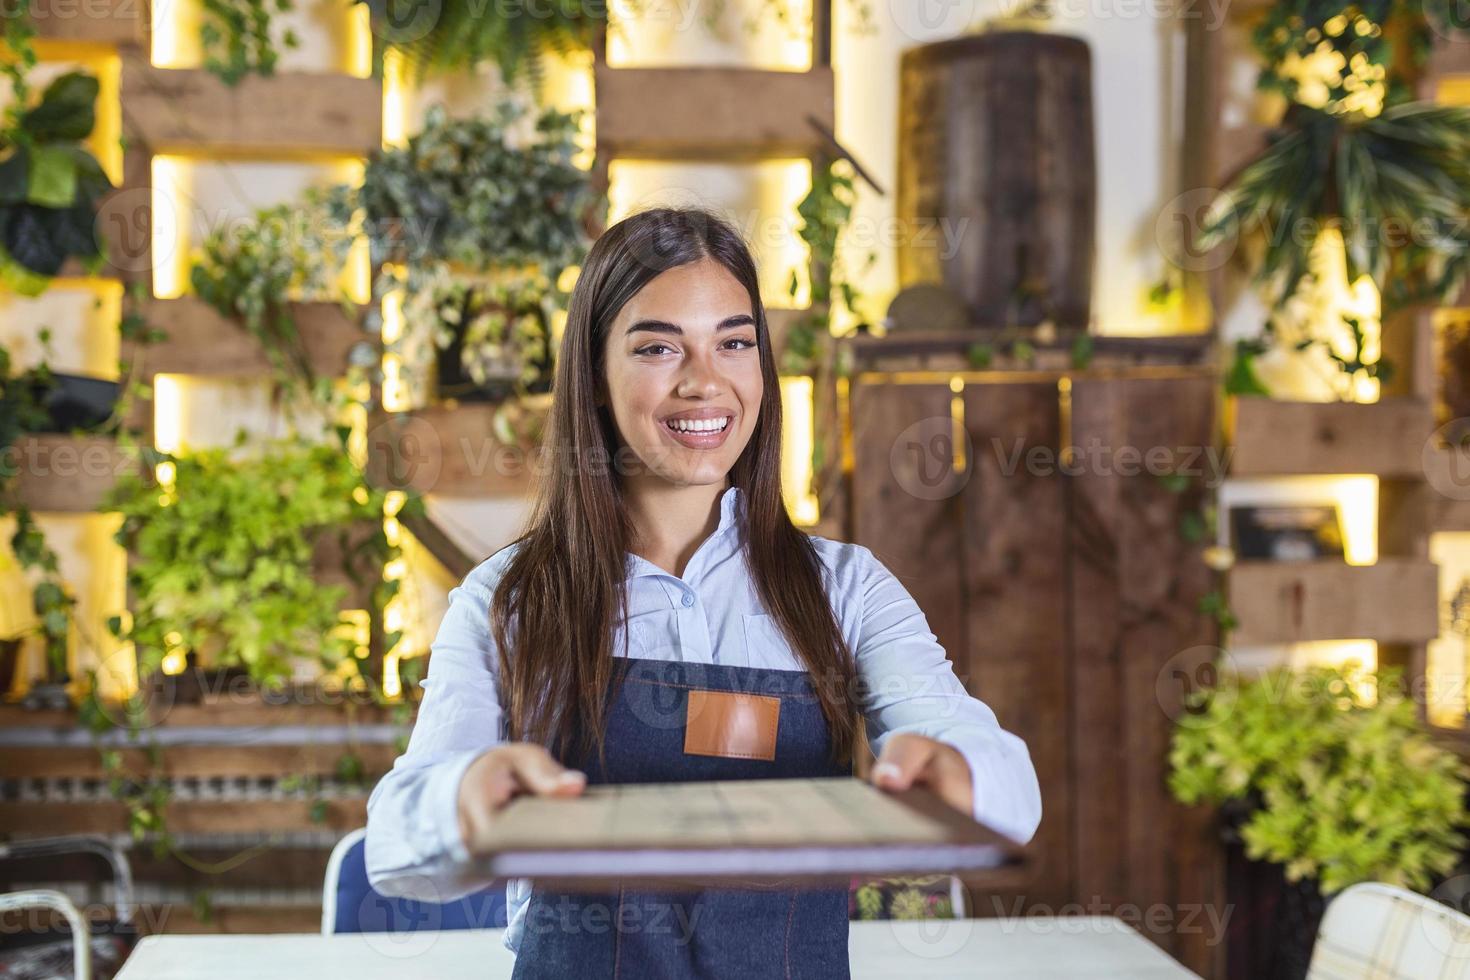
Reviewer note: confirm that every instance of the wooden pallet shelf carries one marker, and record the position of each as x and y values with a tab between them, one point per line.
235	817
1393	601
182	761
1280	438
688	113
280	867
67	474
245	713
1446	497
204	342
450	450
102	22
289	114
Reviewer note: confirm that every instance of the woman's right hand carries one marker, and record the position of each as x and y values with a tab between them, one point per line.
501	773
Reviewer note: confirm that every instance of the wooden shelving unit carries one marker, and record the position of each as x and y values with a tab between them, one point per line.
235	817
203	342
1281	438
449	450
291	116
686	113
100	22
1391	601
67	474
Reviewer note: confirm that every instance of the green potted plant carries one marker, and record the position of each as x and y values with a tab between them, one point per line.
222	557
49	185
492	332
23	410
1316	775
474	221
1355	155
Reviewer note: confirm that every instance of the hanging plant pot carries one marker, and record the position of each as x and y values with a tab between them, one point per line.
1274	939
69	402
452	379
196	684
77	401
493	339
9	660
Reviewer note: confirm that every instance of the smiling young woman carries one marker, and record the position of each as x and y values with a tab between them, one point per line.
659	551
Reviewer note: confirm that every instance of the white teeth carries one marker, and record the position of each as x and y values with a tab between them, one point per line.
699	425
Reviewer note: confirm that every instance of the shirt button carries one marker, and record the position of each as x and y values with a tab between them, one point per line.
688	599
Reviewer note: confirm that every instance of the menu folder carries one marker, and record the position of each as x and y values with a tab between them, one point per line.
755	833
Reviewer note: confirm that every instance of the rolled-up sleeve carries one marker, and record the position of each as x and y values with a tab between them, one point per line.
908	685
413	847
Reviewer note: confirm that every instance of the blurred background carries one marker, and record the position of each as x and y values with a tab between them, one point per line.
1131	335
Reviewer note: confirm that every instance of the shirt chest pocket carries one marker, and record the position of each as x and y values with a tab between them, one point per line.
765	645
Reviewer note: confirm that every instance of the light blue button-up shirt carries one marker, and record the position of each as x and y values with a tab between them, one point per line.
712	614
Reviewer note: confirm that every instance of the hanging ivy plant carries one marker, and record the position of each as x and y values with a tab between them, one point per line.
236	37
252	271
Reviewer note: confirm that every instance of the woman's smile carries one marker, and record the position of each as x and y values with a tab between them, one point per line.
704	428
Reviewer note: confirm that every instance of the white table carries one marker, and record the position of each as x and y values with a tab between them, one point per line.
1040	948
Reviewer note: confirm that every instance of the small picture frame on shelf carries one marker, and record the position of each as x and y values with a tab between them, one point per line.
1287	532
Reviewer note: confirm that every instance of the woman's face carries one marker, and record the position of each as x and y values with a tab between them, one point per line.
682	373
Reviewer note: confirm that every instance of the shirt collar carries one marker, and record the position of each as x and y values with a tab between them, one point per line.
731	512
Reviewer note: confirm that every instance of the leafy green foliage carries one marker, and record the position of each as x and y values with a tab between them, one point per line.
236	37
444	36
223	557
1406	169
1348	789
472	192
251	271
49	186
825	212
483	217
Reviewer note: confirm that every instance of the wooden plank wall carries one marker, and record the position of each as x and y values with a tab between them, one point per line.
1068	603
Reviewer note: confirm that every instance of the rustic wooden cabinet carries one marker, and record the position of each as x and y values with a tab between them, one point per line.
1065	593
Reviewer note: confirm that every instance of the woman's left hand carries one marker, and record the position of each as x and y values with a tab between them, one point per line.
915	760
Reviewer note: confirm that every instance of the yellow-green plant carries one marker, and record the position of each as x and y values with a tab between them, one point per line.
223	558
1342	787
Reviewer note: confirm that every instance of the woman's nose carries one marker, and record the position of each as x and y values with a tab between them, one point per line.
699	378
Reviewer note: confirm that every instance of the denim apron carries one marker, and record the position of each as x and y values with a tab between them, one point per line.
727	932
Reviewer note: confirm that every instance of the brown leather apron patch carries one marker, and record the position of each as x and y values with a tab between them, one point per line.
735	726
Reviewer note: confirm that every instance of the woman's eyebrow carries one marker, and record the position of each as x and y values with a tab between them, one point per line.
664	326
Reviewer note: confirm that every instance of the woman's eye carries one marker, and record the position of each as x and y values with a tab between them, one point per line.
742	341
652	349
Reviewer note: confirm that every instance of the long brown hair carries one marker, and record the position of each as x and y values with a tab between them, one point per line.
553	613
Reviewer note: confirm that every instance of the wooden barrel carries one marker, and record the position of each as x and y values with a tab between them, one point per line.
996	176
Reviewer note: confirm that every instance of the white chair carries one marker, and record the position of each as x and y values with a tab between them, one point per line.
1382	932
81	933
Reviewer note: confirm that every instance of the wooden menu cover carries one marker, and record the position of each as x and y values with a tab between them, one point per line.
751	832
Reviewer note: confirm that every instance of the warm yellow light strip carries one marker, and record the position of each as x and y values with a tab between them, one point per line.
796	449
169	215
395	100
957	423
174	34
1357	501
395	387
359	41
394	614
